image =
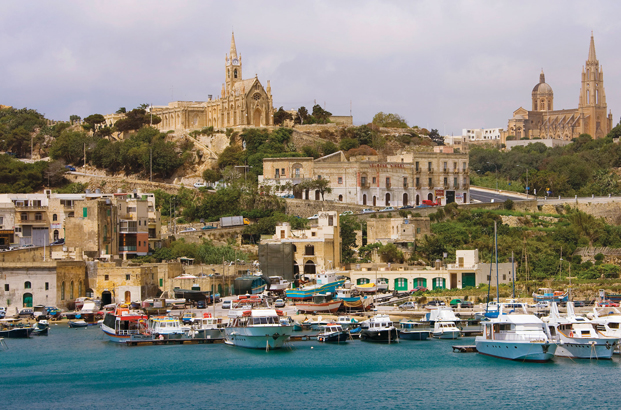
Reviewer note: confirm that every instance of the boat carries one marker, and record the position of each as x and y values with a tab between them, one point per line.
321	303
444	321
207	327
548	295
609	324
14	329
41	328
333	333
257	329
77	323
319	323
411	330
518	336
353	301
379	328
122	325
327	282
366	288
577	337
347	322
165	327
278	284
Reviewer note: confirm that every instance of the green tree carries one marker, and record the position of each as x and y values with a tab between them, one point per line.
280	116
348	227
348	143
212	175
389	120
321	185
121	110
435	136
329	148
391	254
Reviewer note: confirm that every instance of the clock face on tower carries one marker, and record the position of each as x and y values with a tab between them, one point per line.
235	61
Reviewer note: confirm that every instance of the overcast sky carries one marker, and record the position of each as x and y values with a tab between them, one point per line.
439	64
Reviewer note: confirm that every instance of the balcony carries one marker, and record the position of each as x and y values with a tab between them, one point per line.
388	185
405	186
419	187
30	208
365	185
455	186
445	171
446	186
466	186
418	170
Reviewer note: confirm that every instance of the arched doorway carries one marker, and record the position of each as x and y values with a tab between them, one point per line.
106	298
257	117
465	198
374	201
128	296
317	195
364	199
309	268
405	199
387	199
417	200
27	300
430	196
420	283
56	235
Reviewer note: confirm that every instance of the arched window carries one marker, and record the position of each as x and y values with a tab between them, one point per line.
417	200
229	73
596	96
430	196
387	199
309	250
340	198
56	235
79	288
27	285
310	268
235	73
588	97
71	291
364	199
54	217
405	199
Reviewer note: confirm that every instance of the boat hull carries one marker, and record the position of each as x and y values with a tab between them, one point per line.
308	292
451	334
336	337
517	350
17	333
380	336
589	349
330	307
414	335
213	334
259	337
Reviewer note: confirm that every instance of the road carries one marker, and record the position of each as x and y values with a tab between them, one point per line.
486	195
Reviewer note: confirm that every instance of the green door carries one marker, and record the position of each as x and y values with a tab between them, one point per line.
420	282
401	284
439	283
468	279
27	300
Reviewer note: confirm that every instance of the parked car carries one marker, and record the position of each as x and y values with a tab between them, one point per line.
60	241
190	229
435	303
200	304
200	185
26	313
419	289
465	304
347	213
279	303
227	304
388	209
368	211
407	306
316	216
608	303
430	202
407	207
70	168
579	303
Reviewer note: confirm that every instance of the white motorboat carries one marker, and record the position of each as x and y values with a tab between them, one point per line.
379	328
444	323
258	329
347	322
518	336
609	324
278	284
165	327
207	327
576	336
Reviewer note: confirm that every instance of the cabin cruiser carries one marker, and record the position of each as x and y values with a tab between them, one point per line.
257	329
577	337
412	330
443	319
347	322
379	328
333	333
609	324
517	336
122	324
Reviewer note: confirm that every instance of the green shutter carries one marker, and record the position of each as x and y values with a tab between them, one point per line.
161	282
85	212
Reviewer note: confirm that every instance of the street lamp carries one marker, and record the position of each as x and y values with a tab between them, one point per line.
496	166
527	187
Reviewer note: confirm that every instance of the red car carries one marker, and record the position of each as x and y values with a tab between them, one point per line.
608	303
419	289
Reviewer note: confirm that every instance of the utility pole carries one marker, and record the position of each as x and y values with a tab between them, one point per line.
151	160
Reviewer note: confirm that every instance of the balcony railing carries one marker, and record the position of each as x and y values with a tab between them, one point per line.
388	185
418	170
405	186
455	186
30	208
365	185
128	229
419	186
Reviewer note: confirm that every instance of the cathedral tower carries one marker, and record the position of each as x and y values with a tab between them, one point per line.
592	102
543	97
233	66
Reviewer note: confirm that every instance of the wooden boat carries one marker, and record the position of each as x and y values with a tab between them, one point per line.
122	324
321	303
327	282
41	328
547	295
333	333
14	329
367	288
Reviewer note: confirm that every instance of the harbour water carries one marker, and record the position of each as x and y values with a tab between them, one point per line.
78	368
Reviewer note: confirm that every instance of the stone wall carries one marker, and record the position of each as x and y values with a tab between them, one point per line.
30	254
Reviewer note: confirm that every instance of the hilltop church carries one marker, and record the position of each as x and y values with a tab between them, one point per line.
241	103
544	122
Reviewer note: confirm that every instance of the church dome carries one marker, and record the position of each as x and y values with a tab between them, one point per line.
542	88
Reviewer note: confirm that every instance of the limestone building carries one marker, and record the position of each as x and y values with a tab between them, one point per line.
543	121
242	102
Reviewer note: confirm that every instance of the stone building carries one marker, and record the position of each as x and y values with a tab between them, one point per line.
71	282
242	102
397	230
124	283
94	229
407	178
26	284
544	122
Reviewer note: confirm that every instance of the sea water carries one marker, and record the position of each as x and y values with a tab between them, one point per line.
80	369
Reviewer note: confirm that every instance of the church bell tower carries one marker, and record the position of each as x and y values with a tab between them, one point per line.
233	66
592	103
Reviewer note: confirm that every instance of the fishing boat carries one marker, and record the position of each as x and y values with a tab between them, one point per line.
333	333
548	295
14	329
518	336
353	301
257	329
122	325
367	288
577	337
411	330
379	328
326	282
207	327
165	327
319	323
77	323
41	328
278	284
321	303
444	321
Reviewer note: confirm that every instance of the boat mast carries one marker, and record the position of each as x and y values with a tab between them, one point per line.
496	246
513	273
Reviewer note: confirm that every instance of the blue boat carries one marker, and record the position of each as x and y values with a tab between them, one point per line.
326	282
547	295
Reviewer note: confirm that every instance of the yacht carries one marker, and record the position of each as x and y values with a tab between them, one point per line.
165	327
518	336
207	327
347	322
608	324
379	328
257	329
444	323
577	337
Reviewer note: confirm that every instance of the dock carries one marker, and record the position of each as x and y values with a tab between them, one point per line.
465	349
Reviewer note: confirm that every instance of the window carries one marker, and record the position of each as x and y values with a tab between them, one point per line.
318	176
139	243
235	73
71	291
313	233
374	181
71	215
445	181
464	166
54	217
430	183
445	167
18	229
47	285
62	291
282	172
127	277
387	182
106	277
24	216
429	166
340	198
417	230
297	172
417	165
27	285
38	216
331	220
363	181
340	180
84	213
309	250
161	282
417	181
6	287
405	182
454	165
277	173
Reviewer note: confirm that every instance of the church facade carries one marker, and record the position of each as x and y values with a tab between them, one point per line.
242	102
544	122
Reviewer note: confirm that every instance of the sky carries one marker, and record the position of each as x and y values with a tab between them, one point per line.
447	65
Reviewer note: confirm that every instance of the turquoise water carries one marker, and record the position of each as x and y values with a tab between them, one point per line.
77	368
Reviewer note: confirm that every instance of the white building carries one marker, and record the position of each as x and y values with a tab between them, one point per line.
482	134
